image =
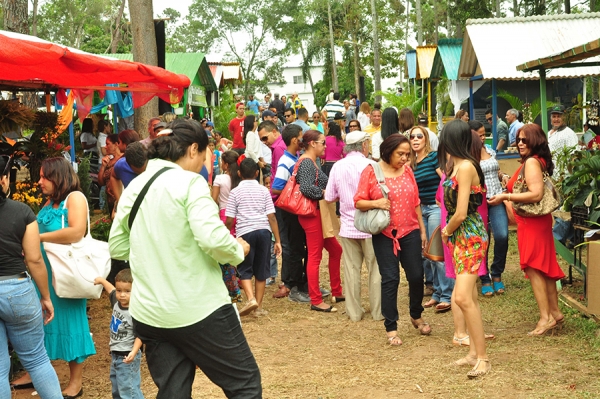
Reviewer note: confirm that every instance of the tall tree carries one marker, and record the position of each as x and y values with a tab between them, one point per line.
116	32
144	50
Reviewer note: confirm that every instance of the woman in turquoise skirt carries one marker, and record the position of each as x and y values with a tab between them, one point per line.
68	336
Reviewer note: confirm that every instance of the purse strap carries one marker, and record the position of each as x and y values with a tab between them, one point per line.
380	179
138	201
86	206
295	172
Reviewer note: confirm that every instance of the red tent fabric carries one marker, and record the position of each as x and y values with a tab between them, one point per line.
29	62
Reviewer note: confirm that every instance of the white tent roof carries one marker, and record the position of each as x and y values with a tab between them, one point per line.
494	47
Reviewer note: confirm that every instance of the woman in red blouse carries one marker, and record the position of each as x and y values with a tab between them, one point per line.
403	240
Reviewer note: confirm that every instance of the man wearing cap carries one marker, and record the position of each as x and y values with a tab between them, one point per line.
302	120
334	106
501	130
210	126
252	104
270	116
236	129
152	132
423	121
343	182
514	125
560	137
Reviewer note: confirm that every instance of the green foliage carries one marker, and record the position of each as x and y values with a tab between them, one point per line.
83	171
574	114
100	229
410	100
225	112
515	102
582	187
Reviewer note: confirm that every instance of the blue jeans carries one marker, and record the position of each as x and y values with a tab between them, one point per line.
273	261
562	230
125	377
498	225
22	324
442	285
101	197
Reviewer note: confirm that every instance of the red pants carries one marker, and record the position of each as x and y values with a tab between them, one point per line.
315	244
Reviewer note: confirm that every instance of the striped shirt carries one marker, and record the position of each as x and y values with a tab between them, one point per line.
249	203
427	178
332	108
342	185
285	168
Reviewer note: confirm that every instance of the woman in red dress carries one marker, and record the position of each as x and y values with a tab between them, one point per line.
534	234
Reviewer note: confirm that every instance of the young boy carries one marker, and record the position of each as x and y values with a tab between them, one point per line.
251	205
124	345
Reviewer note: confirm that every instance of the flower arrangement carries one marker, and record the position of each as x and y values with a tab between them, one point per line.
101	228
28	193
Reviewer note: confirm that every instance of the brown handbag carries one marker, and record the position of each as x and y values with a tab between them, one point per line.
549	202
435	247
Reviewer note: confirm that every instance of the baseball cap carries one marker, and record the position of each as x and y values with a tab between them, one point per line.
209	123
357	137
558	109
268	113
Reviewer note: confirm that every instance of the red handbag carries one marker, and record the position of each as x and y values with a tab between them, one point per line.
293	201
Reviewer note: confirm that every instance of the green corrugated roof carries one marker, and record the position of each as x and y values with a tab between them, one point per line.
447	59
188	64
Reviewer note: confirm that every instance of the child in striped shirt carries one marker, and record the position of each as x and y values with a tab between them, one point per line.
250	204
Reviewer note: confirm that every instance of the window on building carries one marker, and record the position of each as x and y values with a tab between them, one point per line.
298	80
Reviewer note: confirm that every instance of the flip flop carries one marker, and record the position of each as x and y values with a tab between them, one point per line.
442	307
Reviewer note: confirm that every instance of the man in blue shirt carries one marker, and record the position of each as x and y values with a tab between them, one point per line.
252	104
512	116
302	119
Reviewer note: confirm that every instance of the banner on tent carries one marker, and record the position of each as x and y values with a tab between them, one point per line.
197	96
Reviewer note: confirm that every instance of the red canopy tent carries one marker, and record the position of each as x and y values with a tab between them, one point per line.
27	62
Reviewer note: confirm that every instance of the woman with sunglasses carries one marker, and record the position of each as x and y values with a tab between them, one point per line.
497	218
534	234
23	325
402	242
312	183
354	125
428	174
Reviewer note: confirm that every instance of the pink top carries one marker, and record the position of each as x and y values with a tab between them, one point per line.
482	210
334	150
278	147
404	198
343	182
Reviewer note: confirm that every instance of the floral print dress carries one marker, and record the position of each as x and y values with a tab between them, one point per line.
468	244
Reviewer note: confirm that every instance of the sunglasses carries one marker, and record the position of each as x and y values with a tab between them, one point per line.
288	116
522	139
488	119
352	125
264	138
320	142
9	164
417	136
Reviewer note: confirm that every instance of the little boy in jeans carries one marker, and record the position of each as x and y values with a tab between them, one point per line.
251	206
124	345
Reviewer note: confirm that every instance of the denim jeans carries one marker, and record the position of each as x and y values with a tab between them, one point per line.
562	230
273	261
216	345
126	377
22	324
101	197
442	285
498	225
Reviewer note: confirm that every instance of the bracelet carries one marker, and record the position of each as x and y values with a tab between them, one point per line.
445	232
509	197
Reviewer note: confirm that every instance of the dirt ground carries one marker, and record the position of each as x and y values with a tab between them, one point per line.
305	354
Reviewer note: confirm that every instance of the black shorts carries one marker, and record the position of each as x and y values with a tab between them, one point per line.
257	262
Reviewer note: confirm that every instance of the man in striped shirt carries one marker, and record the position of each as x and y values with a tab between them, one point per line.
343	182
293	239
334	106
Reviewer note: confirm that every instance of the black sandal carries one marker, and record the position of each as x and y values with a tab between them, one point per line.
330	309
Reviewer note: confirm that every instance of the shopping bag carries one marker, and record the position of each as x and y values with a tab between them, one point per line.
329	220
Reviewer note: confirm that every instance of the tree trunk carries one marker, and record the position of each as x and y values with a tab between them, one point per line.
356	64
144	50
308	75
435	22
34	19
567	6
592	5
117	34
333	63
516	8
419	23
376	69
498	13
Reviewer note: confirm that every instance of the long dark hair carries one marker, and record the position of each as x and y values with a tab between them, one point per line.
537	142
389	123
456	139
406	120
230	158
248	125
174	146
335	131
60	173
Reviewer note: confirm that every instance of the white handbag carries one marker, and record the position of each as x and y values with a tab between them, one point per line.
75	266
374	221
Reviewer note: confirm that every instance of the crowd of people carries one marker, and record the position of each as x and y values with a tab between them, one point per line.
196	215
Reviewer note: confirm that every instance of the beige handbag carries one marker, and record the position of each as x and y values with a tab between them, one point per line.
549	202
